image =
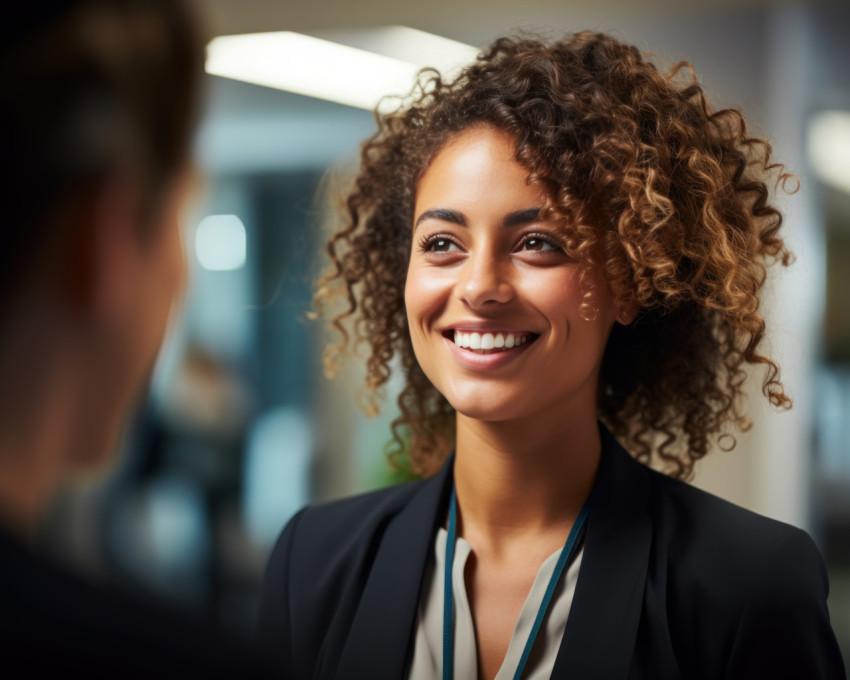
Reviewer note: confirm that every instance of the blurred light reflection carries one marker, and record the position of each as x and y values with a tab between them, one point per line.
829	148
220	243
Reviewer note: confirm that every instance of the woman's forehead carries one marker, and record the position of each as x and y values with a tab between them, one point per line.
478	167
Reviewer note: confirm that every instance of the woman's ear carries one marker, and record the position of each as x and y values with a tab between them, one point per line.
627	314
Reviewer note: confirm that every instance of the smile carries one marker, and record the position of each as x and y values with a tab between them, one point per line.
491	342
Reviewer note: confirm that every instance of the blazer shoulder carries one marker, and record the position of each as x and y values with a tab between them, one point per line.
719	554
690	516
355	515
759	585
317	571
339	530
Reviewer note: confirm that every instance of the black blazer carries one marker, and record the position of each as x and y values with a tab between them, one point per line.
674	583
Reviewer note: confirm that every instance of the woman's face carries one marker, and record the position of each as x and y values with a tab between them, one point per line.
492	299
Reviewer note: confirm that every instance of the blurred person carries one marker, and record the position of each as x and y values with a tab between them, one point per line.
562	250
99	99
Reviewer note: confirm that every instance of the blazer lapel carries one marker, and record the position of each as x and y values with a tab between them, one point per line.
602	626
380	641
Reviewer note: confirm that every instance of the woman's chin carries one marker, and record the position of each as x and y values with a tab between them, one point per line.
486	409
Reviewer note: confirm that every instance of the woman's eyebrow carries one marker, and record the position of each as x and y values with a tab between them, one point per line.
521	217
444	215
513	219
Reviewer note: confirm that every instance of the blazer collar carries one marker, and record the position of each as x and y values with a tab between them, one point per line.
380	643
602	627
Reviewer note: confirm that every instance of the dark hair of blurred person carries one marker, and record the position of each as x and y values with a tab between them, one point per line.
98	101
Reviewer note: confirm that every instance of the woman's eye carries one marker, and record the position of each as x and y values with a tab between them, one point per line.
535	243
441	245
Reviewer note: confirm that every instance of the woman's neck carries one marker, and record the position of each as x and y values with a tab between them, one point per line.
521	483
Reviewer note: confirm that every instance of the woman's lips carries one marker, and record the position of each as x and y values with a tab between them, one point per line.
476	350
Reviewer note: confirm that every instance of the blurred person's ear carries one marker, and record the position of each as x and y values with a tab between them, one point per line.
103	246
123	247
123	269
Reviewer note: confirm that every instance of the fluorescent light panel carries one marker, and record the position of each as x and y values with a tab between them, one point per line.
332	71
829	148
408	44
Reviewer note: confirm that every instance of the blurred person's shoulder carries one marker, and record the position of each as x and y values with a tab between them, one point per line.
56	620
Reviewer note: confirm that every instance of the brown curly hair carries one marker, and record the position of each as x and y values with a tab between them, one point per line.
667	197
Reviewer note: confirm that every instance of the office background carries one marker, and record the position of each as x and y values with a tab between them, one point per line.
240	427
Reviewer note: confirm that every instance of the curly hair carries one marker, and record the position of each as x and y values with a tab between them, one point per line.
667	197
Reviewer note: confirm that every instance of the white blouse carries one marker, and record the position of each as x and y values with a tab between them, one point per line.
428	651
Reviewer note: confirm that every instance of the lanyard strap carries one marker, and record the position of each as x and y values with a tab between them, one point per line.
568	552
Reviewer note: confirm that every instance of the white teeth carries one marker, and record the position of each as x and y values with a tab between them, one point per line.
489	341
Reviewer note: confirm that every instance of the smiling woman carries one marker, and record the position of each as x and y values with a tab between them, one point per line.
564	247
485	265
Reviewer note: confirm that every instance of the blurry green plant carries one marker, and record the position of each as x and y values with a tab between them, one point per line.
395	464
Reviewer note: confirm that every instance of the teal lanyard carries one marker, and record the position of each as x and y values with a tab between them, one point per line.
568	552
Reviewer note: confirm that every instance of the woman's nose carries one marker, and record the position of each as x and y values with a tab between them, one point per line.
484	281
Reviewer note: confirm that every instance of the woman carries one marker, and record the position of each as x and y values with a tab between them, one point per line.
581	239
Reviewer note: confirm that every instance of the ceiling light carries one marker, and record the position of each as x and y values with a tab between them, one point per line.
310	66
409	44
